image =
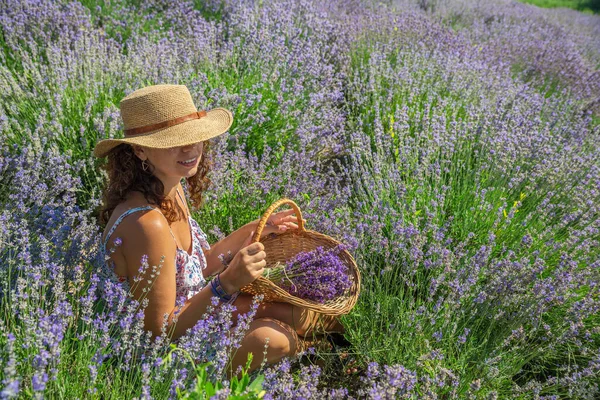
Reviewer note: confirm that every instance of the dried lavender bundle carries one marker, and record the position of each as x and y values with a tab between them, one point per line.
318	275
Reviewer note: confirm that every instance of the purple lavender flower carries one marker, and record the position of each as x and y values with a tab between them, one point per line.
389	382
318	275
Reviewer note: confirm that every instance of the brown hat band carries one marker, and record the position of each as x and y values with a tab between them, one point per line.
164	124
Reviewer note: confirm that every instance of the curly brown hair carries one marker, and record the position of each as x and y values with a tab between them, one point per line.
125	174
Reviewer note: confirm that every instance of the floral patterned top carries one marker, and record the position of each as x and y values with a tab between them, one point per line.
189	278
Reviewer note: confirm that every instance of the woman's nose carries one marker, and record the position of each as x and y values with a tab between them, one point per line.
192	146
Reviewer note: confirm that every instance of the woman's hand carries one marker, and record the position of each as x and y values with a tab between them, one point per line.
279	222
247	265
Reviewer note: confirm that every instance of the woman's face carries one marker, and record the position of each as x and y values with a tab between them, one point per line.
174	163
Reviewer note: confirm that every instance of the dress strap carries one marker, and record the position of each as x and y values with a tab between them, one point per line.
126	213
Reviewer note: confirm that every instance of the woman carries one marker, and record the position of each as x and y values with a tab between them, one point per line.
145	214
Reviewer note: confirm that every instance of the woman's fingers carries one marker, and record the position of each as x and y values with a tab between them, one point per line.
282	224
291	218
285	216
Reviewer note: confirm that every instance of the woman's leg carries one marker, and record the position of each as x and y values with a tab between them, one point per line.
305	322
282	341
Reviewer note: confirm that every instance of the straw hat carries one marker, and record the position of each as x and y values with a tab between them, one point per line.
164	116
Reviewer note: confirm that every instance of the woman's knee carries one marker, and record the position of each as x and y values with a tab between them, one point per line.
296	318
278	337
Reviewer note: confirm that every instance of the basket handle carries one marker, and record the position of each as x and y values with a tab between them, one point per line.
267	214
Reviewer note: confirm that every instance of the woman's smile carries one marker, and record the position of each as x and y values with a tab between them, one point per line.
189	162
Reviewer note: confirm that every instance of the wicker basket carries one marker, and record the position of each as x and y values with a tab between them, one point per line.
281	247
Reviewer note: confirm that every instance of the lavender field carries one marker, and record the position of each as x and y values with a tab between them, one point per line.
454	146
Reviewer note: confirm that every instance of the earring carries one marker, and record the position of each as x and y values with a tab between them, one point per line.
144	165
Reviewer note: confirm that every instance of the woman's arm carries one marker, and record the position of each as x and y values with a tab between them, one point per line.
232	243
148	236
278	222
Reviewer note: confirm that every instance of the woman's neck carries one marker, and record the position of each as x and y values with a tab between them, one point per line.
172	193
170	187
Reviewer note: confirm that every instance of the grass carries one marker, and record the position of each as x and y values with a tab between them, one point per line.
586	6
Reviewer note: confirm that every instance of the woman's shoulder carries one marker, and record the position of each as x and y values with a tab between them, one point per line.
142	230
136	216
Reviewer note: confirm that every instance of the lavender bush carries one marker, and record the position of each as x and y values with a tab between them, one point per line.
471	242
452	145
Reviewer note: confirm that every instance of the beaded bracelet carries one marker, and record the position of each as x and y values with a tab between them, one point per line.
217	289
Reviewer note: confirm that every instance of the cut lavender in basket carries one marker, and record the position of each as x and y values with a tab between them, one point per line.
318	275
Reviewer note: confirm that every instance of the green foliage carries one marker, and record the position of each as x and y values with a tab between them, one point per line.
588	6
239	388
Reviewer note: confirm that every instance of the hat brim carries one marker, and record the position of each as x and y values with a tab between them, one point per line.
216	122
